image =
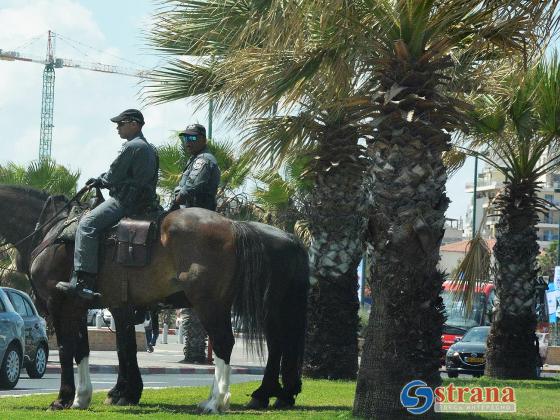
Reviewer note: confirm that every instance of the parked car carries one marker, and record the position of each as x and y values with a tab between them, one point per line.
468	355
36	353
12	343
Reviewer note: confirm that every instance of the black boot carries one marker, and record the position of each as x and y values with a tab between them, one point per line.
81	284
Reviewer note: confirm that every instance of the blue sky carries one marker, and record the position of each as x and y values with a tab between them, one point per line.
83	137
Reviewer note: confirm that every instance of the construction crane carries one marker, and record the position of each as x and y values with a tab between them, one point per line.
52	62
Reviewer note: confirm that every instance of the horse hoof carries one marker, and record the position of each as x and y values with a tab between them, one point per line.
256	404
57	405
282	404
110	400
125	401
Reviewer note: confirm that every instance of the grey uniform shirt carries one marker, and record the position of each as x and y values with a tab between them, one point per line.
132	177
200	180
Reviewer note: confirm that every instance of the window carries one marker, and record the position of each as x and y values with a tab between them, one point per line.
28	307
19	304
2	307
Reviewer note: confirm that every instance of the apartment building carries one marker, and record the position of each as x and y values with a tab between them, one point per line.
489	183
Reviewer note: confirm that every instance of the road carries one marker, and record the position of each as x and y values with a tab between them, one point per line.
100	381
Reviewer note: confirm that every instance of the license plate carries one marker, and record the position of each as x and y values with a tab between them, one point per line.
475	359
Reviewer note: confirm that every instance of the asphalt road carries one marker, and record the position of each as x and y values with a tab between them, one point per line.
101	381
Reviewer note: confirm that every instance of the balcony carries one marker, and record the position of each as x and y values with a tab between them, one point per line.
483	186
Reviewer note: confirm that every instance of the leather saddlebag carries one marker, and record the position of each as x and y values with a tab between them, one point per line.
134	244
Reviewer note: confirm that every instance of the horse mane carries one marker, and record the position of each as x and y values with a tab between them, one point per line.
24	189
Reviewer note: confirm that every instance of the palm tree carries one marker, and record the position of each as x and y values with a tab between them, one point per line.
424	54
321	120
281	196
518	135
44	175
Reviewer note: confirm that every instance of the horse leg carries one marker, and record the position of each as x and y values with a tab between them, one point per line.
66	327
84	389
270	386
293	338
131	386
218	326
291	377
115	393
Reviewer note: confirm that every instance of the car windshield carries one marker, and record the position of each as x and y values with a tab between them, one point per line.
455	310
476	335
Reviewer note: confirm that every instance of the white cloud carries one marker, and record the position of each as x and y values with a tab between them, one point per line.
28	19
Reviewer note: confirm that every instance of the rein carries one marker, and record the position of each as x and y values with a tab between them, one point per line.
38	226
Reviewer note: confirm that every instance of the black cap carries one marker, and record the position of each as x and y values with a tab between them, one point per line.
194	129
129	115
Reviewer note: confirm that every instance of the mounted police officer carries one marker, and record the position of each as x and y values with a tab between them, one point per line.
197	188
201	176
131	181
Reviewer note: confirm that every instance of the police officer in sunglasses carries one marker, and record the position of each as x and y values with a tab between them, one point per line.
201	176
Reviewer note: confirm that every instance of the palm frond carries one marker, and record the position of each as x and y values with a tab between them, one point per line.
472	272
277	139
453	160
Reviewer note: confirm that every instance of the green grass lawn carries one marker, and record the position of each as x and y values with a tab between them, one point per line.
319	400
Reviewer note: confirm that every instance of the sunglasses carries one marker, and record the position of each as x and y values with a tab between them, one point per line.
121	123
188	137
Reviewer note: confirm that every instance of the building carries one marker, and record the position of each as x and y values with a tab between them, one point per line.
453	231
452	254
489	183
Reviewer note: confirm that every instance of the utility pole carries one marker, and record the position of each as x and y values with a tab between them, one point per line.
474	195
210	116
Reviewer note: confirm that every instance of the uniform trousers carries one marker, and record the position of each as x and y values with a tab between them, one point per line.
90	229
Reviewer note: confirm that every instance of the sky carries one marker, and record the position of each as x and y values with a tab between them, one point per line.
83	136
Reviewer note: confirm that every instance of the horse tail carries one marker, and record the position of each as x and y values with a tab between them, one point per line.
272	281
251	283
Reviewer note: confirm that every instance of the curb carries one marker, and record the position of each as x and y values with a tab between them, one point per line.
253	370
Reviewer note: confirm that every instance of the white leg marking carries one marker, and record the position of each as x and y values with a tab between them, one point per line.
84	389
219	394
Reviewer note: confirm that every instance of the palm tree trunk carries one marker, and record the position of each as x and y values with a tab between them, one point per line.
406	224
512	352
195	337
336	223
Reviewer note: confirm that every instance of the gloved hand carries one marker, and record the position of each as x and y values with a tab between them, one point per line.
93	182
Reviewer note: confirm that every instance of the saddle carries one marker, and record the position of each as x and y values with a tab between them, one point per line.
131	239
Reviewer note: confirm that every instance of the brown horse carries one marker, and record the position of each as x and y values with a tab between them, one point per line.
202	260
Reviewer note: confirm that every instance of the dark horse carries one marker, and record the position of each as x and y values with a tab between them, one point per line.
202	260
